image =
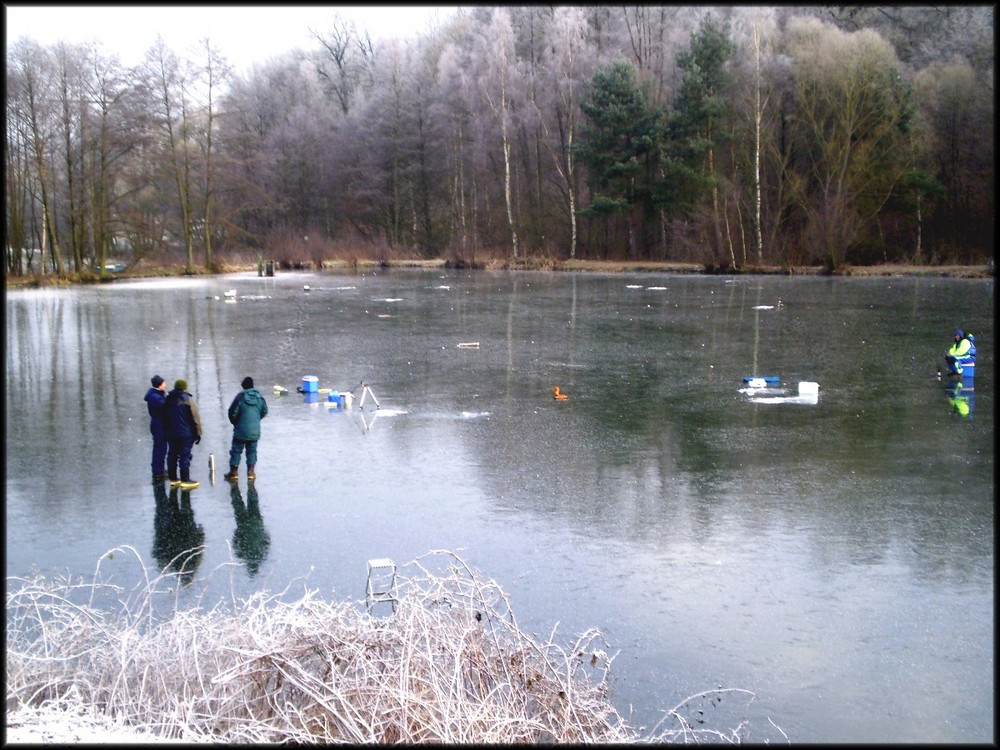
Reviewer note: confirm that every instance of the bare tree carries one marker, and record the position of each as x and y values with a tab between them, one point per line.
170	82
215	71
453	106
495	86
33	78
17	159
754	32
395	166
118	127
652	32
73	121
565	61
958	152
258	141
851	104
347	63
758	117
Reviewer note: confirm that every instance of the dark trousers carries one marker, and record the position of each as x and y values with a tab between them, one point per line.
237	449
159	461
179	453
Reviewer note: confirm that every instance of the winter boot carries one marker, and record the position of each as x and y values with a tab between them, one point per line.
250	475
233	474
187	483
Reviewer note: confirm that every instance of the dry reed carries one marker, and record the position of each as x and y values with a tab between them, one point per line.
449	665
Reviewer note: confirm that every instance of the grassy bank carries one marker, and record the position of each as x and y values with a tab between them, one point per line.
449	665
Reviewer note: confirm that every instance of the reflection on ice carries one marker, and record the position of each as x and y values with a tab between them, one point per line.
764	391
808	394
809	398
158	284
391	412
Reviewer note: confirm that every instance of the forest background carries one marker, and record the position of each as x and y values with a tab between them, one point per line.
734	138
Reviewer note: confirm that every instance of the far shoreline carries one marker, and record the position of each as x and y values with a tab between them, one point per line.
588	266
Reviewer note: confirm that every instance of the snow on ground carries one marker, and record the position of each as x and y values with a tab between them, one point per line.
61	726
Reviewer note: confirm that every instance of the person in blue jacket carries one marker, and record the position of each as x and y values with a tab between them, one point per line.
182	425
155	397
245	413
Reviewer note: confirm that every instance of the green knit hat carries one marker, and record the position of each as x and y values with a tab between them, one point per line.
180	385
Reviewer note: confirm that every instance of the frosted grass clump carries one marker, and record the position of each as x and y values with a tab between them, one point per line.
450	665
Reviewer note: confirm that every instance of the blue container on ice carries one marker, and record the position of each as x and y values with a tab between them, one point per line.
968	372
334	398
310	384
768	379
968	362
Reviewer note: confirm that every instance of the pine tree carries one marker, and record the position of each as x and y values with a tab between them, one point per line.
619	149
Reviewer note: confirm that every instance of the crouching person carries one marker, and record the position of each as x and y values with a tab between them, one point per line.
961	354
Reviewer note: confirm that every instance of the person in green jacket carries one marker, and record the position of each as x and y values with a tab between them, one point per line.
245	413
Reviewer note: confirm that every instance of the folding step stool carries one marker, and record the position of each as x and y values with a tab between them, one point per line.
381	586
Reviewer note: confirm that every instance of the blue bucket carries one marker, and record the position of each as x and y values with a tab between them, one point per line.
310	384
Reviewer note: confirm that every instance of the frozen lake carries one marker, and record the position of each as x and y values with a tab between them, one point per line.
833	555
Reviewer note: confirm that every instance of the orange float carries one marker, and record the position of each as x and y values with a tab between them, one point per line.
558	395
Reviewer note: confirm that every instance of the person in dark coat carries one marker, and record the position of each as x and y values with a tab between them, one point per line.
182	425
155	397
245	413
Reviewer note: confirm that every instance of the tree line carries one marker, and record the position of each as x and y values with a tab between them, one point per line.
736	137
